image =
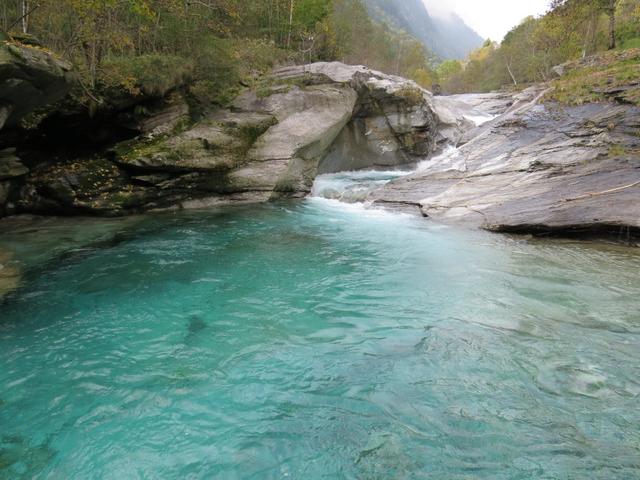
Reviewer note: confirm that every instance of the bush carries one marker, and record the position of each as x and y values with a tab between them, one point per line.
150	75
222	65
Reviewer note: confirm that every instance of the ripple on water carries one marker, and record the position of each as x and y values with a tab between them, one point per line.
303	340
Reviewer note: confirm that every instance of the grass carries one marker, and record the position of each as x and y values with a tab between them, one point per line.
267	86
610	76
411	94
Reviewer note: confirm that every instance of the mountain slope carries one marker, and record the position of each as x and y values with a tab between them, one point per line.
449	38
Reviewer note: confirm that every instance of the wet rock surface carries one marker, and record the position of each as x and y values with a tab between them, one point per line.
539	168
28	242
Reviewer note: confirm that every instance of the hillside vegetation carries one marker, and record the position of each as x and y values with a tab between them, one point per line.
210	47
571	30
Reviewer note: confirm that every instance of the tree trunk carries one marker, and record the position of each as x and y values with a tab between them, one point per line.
515	82
399	57
25	16
290	23
5	17
611	11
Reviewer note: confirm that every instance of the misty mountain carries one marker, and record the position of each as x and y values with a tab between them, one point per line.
448	37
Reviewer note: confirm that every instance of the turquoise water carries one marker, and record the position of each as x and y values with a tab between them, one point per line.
318	340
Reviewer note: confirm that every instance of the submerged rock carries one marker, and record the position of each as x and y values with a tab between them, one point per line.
10	274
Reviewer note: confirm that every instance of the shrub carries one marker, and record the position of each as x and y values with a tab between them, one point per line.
150	75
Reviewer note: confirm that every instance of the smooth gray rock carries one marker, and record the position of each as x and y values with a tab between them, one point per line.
537	168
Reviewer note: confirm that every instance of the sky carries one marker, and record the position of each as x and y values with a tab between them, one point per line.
490	18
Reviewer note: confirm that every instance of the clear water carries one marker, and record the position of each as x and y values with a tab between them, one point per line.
321	340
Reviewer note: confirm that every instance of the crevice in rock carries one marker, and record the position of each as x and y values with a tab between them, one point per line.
623	234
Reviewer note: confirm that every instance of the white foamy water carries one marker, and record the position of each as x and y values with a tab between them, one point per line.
480	118
353	187
449	159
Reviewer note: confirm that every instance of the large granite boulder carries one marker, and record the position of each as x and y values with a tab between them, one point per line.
271	143
541	167
392	123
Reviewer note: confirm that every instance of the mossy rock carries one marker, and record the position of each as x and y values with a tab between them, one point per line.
33	77
412	95
10	165
219	143
26	39
613	76
92	186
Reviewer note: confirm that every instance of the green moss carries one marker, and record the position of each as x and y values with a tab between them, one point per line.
630	43
267	86
617	151
249	134
411	94
223	66
138	148
601	81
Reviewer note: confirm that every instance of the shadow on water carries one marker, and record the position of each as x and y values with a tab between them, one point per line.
19	459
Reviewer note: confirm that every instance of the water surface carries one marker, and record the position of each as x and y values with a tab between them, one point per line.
322	340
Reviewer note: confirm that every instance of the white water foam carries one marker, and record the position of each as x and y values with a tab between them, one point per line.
449	159
353	187
361	209
480	118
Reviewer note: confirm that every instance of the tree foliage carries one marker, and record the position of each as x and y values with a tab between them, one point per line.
224	42
528	53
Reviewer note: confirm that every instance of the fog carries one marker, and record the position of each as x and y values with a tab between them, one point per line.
490	18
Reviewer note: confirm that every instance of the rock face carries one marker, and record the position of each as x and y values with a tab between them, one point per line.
271	143
30	77
522	164
539	168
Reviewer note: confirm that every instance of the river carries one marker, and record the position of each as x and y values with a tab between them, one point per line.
320	339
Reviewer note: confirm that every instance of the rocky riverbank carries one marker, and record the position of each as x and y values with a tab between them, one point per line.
539	168
270	143
536	166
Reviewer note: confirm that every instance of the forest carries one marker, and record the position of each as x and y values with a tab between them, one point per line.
572	29
213	46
